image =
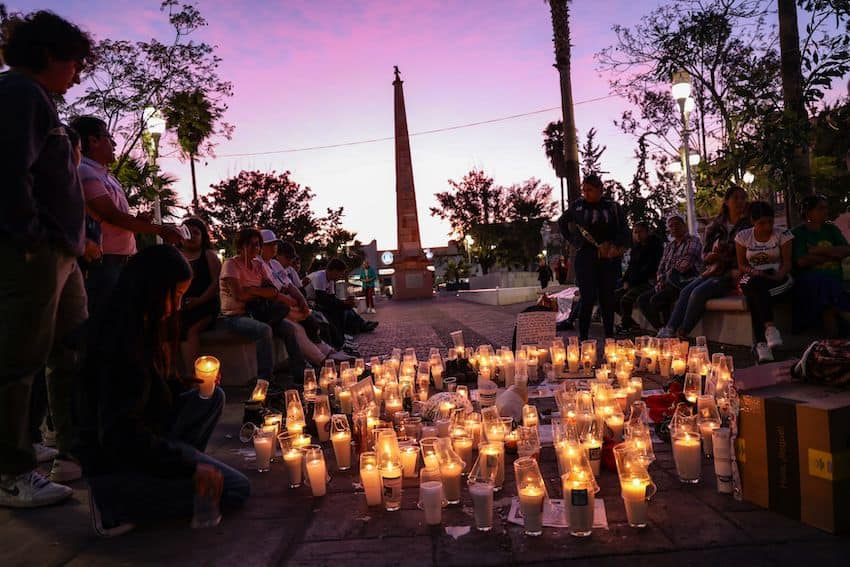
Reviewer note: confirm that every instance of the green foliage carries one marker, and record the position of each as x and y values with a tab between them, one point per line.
591	155
456	270
553	146
142	182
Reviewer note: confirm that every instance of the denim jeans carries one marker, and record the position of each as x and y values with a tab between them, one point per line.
256	331
692	299
143	498
42	305
656	304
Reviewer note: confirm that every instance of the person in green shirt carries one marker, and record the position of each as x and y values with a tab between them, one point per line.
369	279
819	247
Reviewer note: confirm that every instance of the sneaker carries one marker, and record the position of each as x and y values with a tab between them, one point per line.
666	333
65	470
31	490
774	339
101	529
764	353
43	453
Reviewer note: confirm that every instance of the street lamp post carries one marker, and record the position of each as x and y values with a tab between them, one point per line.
682	94
155	127
469	242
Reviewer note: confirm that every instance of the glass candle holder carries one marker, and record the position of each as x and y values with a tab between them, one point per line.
370	478
295	420
579	500
263	448
391	472
687	452
693	387
481	486
322	417
431	496
293	458
491	458
341	439
532	494
315	469
206	370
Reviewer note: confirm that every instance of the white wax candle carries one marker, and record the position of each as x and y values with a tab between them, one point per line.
593	446
392	406
370	477
391	481
317	472
432	461
206	369
345	401
437	373
263	448
634	498
293	459
323	426
450	473
482	504
688	458
431	494
706	429
615	426
342	449
531	504
494	459
678	367
409	456
463	448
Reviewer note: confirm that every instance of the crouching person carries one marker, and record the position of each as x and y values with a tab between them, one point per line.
143	433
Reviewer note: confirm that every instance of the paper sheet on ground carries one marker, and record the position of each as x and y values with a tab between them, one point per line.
555	516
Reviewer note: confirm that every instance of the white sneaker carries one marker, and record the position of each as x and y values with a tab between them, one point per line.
43	453
31	490
65	470
374	310
764	353
774	339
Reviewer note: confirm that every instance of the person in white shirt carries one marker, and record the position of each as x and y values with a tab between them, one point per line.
764	260
340	314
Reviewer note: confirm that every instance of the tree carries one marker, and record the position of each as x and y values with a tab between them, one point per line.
193	116
563	48
553	146
129	77
264	200
474	200
591	155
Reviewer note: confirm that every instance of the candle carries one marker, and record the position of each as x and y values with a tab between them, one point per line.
263	445
431	494
615	426
529	416
492	458
317	473
473	429
722	459
496	433
665	362
678	367
391	481
295	428
301	440
633	491
443	427
482	505
409	457
572	358
579	501
511	441
531	503
392	406
344	398
206	369
463	448
593	446
371	479
706	430
428	431
437	374
688	458
323	426
293	459
432	461
450	473
342	449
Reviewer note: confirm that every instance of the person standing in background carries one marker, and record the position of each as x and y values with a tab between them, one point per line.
369	279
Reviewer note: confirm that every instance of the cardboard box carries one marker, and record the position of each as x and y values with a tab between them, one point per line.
794	453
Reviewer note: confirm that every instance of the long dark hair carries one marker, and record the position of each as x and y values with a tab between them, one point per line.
724	211
206	244
133	329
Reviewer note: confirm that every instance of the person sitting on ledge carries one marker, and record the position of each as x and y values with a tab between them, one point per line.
339	313
143	433
644	257
819	247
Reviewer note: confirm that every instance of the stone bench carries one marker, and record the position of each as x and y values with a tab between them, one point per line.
238	356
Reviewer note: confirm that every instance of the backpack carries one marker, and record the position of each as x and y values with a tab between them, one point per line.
826	362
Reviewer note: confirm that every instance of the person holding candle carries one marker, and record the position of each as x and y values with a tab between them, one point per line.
597	227
142	431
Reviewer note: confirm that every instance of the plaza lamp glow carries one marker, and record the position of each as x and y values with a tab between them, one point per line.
154	128
682	94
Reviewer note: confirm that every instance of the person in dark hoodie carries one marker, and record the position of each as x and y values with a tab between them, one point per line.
644	257
143	432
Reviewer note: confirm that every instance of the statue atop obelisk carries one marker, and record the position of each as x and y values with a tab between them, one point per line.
412	279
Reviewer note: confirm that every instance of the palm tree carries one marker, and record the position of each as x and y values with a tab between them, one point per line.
193	116
553	145
561	28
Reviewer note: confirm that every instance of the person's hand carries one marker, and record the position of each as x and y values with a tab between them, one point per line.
208	481
93	252
170	234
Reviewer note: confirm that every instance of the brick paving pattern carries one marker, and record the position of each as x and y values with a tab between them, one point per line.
690	525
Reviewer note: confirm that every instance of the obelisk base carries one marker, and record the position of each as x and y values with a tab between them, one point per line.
413	280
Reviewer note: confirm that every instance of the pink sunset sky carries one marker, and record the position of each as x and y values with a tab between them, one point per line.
314	73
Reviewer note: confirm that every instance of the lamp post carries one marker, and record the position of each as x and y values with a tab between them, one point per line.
154	126
469	242
682	94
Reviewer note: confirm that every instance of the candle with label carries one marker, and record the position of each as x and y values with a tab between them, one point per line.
579	501
614	423
593	446
391	482
323	426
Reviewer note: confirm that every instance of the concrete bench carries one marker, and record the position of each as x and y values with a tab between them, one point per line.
500	295
238	356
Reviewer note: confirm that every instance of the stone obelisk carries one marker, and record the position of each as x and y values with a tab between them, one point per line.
412	279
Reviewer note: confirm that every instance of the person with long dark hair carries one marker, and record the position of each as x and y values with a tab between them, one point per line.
143	432
201	304
764	261
819	247
597	227
720	265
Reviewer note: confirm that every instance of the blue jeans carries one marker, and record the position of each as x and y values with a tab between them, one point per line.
692	299
260	333
143	498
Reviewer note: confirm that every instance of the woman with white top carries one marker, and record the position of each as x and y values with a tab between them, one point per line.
764	260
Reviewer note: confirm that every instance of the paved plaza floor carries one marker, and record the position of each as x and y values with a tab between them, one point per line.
689	525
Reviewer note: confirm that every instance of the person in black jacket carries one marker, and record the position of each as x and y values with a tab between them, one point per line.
597	227
142	432
544	273
643	263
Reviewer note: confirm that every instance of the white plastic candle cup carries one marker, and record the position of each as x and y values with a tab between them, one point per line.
482	504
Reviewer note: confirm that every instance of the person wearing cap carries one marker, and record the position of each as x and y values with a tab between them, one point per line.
680	264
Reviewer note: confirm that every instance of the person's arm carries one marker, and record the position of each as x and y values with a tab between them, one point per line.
103	208
743	263
692	256
785	265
